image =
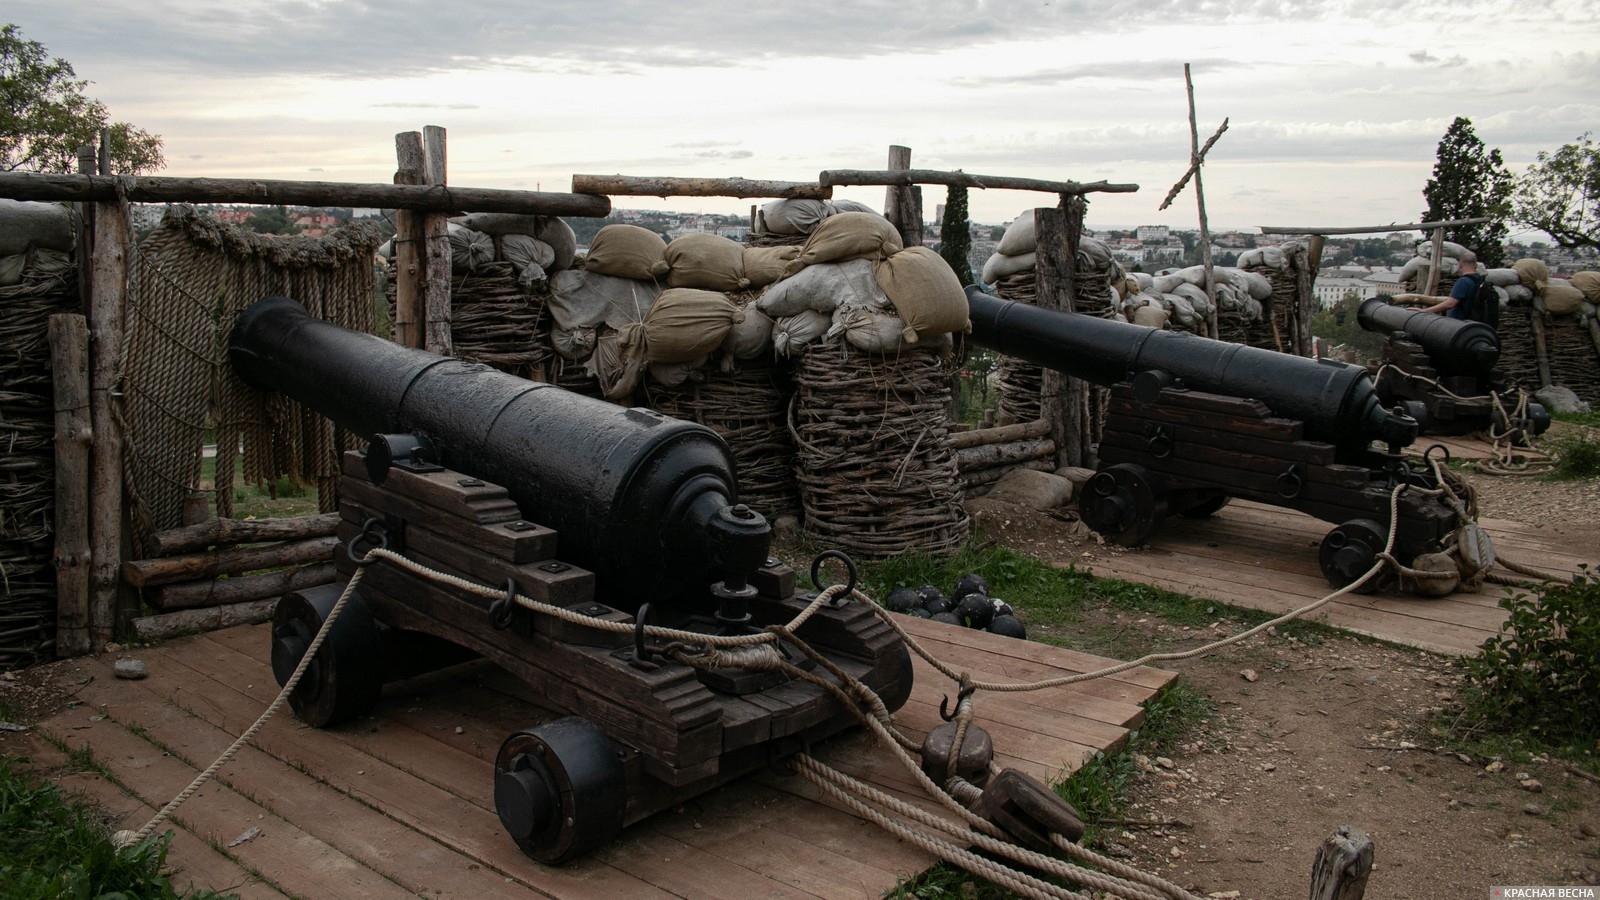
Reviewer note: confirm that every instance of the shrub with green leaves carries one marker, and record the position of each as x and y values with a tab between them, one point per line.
1542	672
1576	455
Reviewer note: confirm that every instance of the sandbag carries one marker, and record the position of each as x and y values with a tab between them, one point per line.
1094	255
611	368
574	344
848	235
469	249
870	330
584	299
1450	249
1519	293
25	224
1001	266
500	224
824	288
1251	258
1192	295
705	261
675	374
792	334
1501	277
1274	258
627	251
750	338
562	240
1589	283
1183	312
523	250
1144	279
1533	273
1254	283
765	265
1195	275
1020	236
11	269
1166	284
681	325
1151	316
834	207
1561	298
790	216
925	292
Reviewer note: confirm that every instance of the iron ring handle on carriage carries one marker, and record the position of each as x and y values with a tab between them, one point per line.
849	568
504	609
372	531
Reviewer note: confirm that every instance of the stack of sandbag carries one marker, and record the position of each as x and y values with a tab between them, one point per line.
1096	276
535	246
590	305
787	222
1285	322
1548	325
1416	271
38	237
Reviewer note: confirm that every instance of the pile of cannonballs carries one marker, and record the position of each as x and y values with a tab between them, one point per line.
969	605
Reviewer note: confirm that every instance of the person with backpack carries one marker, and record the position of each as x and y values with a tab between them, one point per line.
1466	294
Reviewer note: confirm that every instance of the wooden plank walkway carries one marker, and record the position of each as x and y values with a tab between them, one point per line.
1265	557
399	804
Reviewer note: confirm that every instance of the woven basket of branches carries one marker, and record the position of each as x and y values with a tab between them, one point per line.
876	472
495	321
27	467
749	407
1017	384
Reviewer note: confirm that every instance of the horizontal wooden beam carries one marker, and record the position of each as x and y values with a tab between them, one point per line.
661	186
1373	229
420	197
903	177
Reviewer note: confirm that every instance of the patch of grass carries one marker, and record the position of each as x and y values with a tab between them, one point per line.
52	846
1576	454
279	500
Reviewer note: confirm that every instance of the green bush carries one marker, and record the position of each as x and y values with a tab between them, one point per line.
1542	672
1576	455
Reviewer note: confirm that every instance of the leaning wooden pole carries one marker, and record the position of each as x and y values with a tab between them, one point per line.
69	367
902	203
1435	258
408	243
1200	201
113	242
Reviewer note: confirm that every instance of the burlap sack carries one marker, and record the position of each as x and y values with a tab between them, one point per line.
682	324
848	235
1561	298
869	330
750	338
1001	266
522	250
1020	237
765	265
1589	283
791	335
925	293
708	262
1501	277
790	216
1151	316
1533	273
583	299
25	224
627	251
469	249
824	288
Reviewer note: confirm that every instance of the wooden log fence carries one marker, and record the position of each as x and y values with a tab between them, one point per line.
659	186
238	531
142	573
69	351
984	456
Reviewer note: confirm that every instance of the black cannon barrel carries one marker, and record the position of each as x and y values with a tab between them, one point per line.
1455	346
642	500
1335	400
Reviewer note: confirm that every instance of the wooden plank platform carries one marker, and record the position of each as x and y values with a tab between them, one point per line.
400	803
1265	557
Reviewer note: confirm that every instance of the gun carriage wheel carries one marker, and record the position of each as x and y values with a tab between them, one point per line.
559	789
1125	502
345	678
1348	551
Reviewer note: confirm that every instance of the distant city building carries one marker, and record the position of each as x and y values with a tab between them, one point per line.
1153	232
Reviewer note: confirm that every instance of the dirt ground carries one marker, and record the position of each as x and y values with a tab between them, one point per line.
1306	738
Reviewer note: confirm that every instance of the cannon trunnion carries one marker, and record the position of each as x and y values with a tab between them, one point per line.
1442	370
1193	422
655	534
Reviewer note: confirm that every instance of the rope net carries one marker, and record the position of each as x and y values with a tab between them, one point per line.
191	277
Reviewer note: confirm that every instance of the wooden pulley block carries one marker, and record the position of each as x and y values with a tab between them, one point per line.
1028	810
972	761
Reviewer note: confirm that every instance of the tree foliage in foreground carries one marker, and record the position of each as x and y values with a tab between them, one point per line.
45	117
1470	181
1560	194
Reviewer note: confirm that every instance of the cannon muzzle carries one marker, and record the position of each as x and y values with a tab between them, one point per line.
1454	346
1335	400
646	502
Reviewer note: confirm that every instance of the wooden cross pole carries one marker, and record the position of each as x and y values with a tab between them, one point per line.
1197	156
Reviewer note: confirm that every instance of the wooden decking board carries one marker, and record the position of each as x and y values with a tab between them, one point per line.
1265	557
403	790
1142	677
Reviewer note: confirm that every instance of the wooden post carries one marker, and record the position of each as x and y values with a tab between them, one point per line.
1541	351
1342	865
1434	259
436	233
69	366
1060	401
408	262
85	213
109	286
902	204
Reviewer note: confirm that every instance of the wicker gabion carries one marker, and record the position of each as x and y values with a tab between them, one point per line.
1017	383
496	321
1570	351
876	472
749	407
27	467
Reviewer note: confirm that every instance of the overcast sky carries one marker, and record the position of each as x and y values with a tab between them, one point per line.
1336	107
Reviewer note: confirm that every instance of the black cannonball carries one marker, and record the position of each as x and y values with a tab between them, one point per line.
949	618
971	583
1010	626
901	600
975	611
930	592
918	612
1001	608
